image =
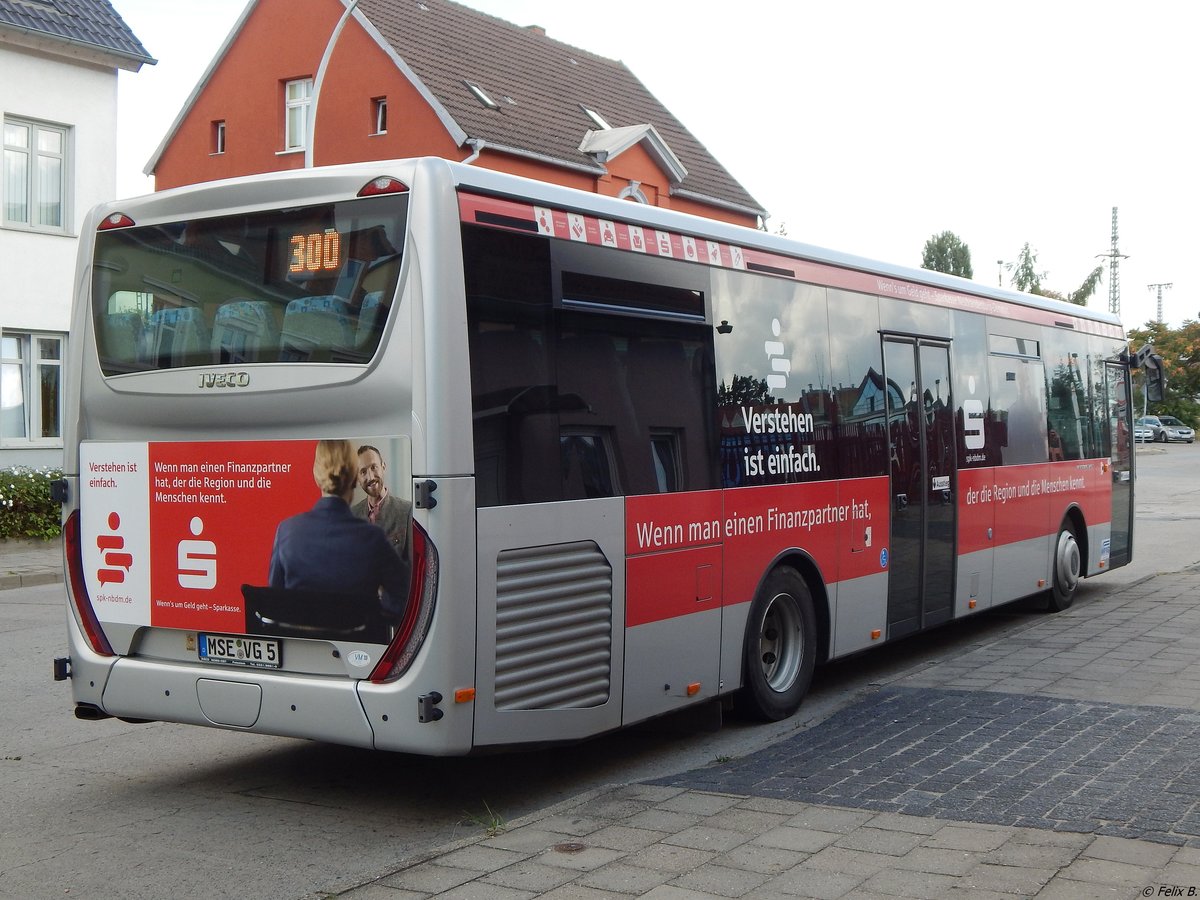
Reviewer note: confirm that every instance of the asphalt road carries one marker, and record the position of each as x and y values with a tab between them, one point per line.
115	810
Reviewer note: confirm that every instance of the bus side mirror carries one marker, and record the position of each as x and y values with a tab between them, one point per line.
1156	379
1151	365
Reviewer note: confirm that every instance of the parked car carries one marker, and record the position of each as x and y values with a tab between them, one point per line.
1171	429
1142	433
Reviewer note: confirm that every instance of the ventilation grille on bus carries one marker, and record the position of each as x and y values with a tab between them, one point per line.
553	627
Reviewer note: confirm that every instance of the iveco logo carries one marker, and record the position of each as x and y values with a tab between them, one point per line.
225	380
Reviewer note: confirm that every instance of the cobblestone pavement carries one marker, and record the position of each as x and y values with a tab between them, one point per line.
1060	760
1049	749
990	758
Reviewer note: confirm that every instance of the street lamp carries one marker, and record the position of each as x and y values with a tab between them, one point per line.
311	136
1000	273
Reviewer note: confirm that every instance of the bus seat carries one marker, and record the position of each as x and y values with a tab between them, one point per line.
244	330
313	327
322	615
179	336
371	318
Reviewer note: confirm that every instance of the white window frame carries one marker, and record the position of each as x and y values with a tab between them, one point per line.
218	137
34	186
297	100
380	109
29	365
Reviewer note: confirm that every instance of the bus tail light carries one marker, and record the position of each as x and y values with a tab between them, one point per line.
73	547
417	615
385	184
116	220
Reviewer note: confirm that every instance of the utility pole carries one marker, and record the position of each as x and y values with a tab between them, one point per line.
1160	288
1114	272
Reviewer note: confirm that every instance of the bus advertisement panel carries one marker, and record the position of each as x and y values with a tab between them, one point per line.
190	535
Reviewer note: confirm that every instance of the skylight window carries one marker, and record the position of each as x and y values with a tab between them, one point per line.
596	118
481	96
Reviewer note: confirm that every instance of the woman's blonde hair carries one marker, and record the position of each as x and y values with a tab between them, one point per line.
335	467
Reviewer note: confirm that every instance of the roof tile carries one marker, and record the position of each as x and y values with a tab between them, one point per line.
89	22
447	44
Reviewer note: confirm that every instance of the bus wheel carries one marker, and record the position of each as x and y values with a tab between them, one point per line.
780	649
1068	566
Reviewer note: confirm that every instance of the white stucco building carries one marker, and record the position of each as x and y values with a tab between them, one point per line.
58	96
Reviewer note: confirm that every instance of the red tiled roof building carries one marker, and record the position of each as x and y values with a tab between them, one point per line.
435	78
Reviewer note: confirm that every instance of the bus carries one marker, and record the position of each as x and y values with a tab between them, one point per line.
640	460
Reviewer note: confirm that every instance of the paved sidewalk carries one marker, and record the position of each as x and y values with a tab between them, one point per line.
1061	760
27	562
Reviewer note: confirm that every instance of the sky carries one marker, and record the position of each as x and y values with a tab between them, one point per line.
869	126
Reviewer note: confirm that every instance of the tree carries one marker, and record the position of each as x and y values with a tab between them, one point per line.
1180	350
1026	277
946	253
745	390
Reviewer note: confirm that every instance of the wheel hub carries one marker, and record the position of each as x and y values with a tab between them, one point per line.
1068	562
781	643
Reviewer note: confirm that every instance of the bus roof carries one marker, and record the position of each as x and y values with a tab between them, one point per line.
330	182
489	181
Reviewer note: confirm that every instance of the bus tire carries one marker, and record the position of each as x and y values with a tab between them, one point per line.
780	649
1068	569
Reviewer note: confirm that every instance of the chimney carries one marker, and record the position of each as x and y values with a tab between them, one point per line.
536	29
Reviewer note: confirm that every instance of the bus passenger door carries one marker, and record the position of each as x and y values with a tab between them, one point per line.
922	449
1120	442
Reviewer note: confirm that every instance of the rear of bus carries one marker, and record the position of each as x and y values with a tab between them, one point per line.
219	333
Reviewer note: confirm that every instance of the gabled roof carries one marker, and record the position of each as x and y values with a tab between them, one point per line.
609	143
92	26
540	88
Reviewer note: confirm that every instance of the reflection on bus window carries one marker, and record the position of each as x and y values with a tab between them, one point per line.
587	466
590	399
310	284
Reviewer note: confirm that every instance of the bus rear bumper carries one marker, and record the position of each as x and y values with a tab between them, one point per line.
288	705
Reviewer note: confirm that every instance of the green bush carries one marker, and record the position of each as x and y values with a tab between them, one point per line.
26	510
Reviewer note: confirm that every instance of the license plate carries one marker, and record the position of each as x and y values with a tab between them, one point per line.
241	651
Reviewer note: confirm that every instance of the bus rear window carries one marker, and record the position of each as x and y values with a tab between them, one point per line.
309	284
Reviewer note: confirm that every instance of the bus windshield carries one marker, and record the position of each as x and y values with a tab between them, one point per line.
306	284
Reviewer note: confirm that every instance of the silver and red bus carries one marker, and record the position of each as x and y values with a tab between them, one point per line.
647	460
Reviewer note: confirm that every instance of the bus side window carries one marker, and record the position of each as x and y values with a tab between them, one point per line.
670	375
513	415
512	391
587	463
668	463
592	368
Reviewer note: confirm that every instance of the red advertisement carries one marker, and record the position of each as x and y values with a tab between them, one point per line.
286	538
213	512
